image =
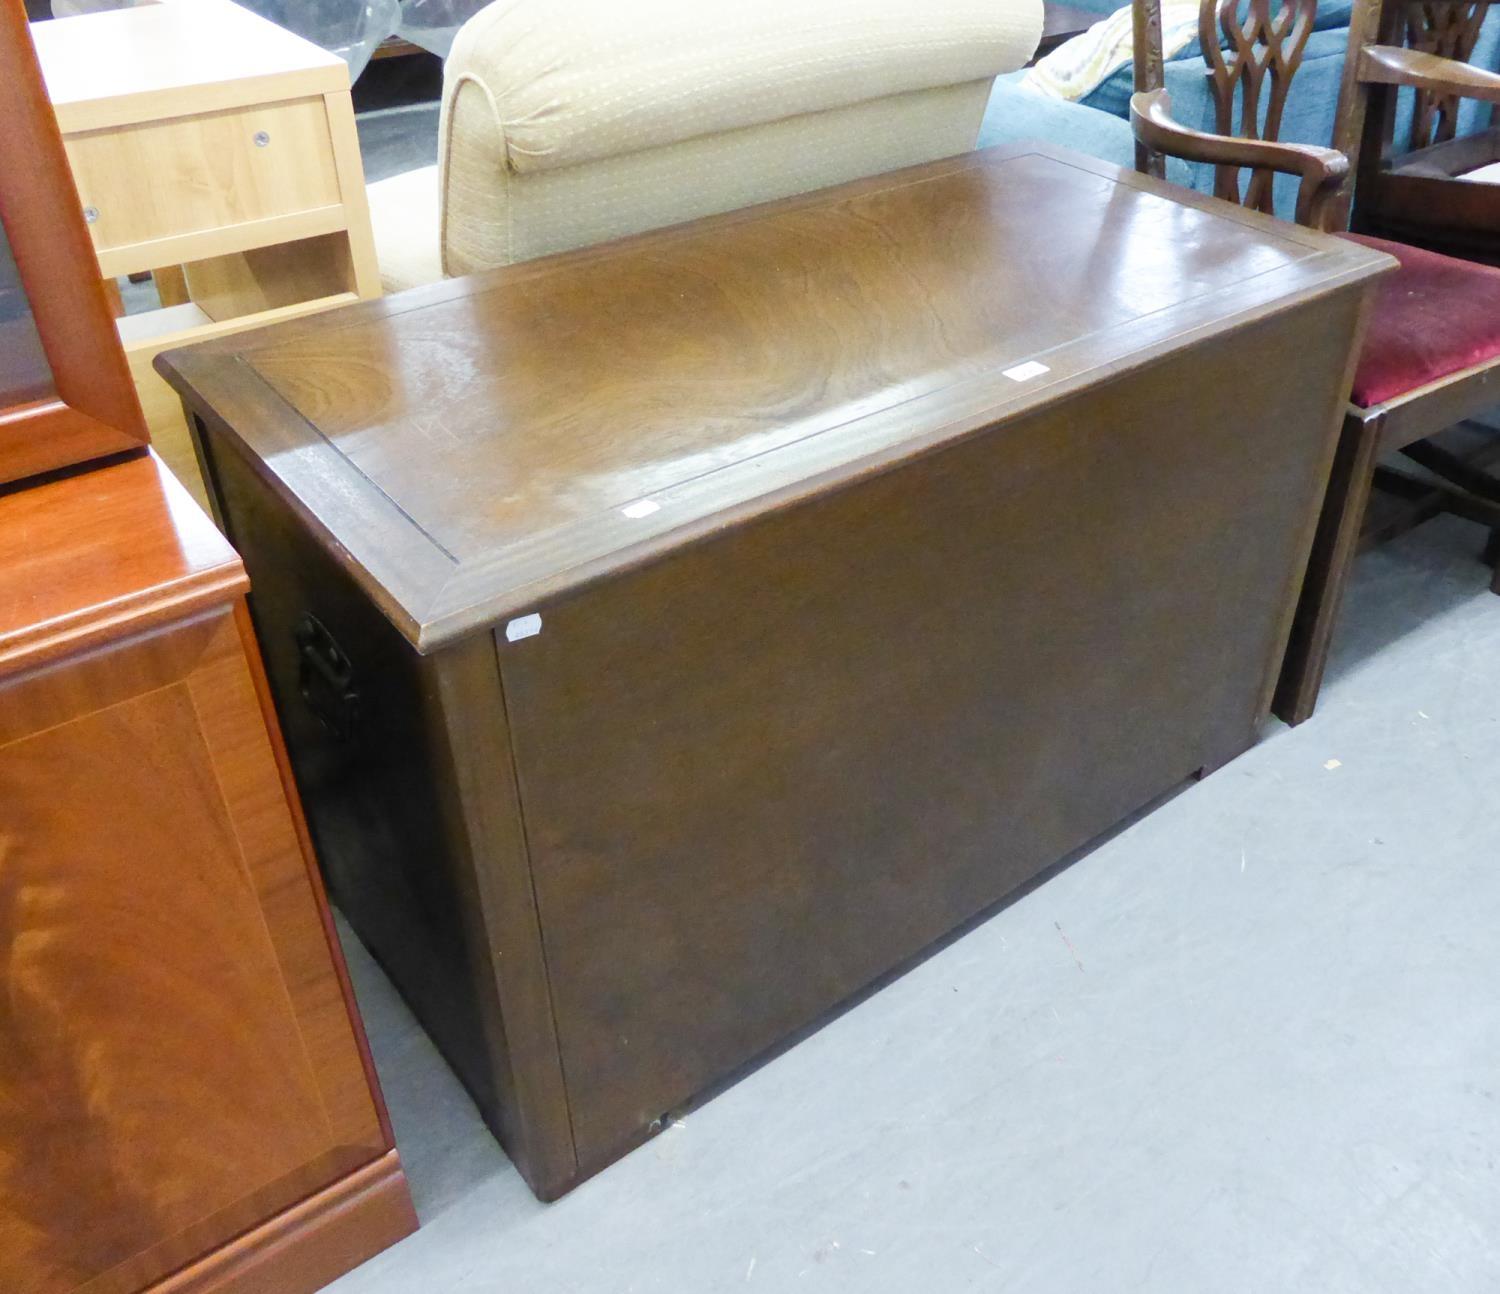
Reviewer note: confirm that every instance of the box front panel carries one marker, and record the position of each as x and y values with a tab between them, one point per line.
762	772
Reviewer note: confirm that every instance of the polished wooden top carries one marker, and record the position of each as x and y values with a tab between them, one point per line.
88	552
174	58
476	447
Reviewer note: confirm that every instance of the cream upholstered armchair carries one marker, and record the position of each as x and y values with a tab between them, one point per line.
569	122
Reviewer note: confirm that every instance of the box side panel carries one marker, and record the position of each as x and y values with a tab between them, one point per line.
372	758
766	770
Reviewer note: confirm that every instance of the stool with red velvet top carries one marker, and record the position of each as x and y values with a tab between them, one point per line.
1430	357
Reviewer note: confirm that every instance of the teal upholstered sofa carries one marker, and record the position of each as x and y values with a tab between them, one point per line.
1099	124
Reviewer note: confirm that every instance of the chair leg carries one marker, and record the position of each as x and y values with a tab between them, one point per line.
1469	476
1452	467
1334	546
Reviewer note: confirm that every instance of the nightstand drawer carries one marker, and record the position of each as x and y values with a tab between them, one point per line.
218	174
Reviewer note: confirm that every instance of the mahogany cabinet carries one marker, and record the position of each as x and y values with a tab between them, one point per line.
186	1100
676	636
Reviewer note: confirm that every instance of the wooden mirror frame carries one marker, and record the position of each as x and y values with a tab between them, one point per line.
95	410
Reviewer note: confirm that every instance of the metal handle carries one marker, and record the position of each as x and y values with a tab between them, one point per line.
325	678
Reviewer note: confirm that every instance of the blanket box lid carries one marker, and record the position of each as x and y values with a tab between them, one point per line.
473	449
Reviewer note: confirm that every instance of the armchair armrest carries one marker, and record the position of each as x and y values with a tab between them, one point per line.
1393	65
1322	170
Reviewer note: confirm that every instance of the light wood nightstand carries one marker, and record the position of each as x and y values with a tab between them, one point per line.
204	136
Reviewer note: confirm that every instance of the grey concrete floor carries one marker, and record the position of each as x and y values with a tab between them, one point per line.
1251	1044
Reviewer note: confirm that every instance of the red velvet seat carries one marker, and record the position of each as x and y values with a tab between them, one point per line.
1433	316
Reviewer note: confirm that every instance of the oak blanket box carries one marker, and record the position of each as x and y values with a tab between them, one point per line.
676	636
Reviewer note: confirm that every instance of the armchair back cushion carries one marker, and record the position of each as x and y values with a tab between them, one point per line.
569	123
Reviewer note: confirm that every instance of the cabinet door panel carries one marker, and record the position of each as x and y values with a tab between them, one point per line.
176	1058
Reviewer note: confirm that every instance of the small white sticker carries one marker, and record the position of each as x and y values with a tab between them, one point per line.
1025	372
641	508
523	627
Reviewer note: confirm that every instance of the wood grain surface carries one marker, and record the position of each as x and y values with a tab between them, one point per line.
961	553
159	180
181	1065
180	1061
82	556
760	772
473	444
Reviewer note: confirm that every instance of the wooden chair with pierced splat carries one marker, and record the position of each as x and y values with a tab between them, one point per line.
1428	173
1430	356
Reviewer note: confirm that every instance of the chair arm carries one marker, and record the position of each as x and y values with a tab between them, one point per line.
1322	169
1393	65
